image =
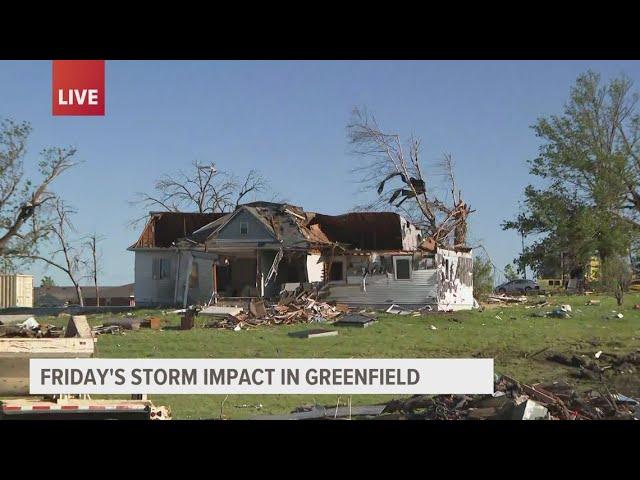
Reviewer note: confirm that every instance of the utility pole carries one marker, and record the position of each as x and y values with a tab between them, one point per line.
525	266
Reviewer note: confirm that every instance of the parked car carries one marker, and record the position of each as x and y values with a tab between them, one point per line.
518	286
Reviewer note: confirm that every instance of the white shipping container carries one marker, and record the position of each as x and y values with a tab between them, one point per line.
16	291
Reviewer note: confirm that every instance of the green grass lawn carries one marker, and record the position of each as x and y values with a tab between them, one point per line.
509	340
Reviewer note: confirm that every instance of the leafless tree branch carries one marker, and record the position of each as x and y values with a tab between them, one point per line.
203	188
383	161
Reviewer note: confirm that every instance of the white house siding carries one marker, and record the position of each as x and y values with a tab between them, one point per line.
148	291
381	290
200	293
455	286
448	286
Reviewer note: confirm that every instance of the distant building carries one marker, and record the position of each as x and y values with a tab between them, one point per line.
63	296
16	290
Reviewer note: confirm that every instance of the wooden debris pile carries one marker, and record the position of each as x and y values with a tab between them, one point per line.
513	400
30	328
294	307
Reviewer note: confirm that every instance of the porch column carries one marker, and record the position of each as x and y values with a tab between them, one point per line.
186	280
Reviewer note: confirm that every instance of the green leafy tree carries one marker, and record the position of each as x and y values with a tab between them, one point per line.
582	203
482	277
615	276
510	273
47	281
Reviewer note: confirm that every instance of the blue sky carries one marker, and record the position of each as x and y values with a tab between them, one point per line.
287	119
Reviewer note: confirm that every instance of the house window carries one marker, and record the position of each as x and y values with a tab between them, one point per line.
193	277
402	268
244	228
160	268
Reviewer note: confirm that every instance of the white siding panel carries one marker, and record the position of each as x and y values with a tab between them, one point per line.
383	289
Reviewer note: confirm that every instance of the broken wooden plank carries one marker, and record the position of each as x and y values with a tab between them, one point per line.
257	309
78	327
314	333
220	311
154	323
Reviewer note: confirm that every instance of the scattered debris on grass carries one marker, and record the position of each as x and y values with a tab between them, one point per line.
604	364
504	298
124	323
110	329
512	400
397	310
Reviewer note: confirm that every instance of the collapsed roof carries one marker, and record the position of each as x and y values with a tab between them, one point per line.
164	228
363	230
289	225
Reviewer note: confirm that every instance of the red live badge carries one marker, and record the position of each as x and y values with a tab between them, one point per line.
78	87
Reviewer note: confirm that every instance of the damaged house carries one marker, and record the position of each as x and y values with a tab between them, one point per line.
362	259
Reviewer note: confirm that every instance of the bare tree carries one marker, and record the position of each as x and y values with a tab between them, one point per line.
59	231
204	188
92	265
23	219
385	159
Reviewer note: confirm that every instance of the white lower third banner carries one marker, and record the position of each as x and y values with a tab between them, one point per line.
261	376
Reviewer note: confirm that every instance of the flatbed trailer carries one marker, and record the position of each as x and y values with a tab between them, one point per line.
33	408
79	342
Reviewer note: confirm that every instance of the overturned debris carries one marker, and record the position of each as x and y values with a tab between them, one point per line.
314	333
355	320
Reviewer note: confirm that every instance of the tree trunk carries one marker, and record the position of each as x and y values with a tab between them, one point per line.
619	293
79	294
